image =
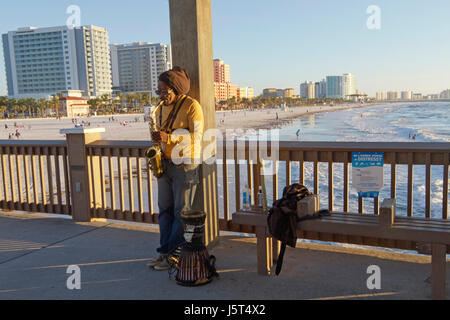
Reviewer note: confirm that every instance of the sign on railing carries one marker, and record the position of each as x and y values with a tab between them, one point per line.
367	173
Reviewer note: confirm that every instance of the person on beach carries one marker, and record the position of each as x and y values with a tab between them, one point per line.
181	158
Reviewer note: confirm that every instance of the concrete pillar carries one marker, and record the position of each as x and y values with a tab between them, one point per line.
191	40
79	162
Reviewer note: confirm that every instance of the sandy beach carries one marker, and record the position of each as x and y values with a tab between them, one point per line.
267	118
133	127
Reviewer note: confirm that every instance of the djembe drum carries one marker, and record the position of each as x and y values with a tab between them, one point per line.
191	261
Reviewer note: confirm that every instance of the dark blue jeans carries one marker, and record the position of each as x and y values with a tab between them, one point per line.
176	191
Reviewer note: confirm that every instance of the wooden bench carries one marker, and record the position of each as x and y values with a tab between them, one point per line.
385	225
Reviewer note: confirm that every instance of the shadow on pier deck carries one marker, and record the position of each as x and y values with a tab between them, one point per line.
35	251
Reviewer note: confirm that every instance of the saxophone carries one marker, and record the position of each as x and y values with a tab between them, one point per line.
154	153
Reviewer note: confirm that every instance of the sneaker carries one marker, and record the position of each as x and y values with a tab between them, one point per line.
157	260
163	265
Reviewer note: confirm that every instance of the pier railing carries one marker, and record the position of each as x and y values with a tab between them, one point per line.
37	176
305	160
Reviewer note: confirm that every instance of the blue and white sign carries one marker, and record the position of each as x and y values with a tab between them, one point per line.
367	173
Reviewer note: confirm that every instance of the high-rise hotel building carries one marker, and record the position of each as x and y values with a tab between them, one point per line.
221	71
44	61
223	88
348	86
135	67
308	90
334	87
340	87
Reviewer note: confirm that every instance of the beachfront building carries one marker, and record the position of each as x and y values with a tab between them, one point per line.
445	94
221	71
381	96
72	104
223	88
272	93
320	89
278	93
307	90
73	107
224	91
417	96
431	97
392	95
334	87
245	92
406	95
288	93
348	86
41	62
135	67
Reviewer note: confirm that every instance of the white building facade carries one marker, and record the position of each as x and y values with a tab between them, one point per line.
406	95
307	90
381	96
392	95
41	62
136	67
348	86
445	94
245	92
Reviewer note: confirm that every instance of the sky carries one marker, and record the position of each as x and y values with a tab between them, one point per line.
283	43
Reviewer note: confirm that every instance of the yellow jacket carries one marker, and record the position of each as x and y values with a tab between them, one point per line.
186	132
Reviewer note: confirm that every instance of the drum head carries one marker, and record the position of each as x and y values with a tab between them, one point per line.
192	214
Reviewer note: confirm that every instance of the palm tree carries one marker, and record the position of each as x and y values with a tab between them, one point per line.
154	100
3	105
140	98
42	105
94	103
3	101
29	104
122	97
3	110
12	106
23	106
130	99
55	103
105	102
15	108
146	99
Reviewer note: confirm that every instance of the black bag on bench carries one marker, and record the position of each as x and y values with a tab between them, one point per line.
282	219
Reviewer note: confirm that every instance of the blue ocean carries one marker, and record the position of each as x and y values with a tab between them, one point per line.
401	122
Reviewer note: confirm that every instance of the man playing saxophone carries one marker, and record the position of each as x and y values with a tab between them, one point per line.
179	131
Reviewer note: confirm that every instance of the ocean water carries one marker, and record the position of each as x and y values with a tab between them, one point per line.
429	122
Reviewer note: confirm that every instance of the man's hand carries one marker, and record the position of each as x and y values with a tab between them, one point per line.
160	136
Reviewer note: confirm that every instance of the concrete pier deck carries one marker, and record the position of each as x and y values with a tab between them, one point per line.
36	250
